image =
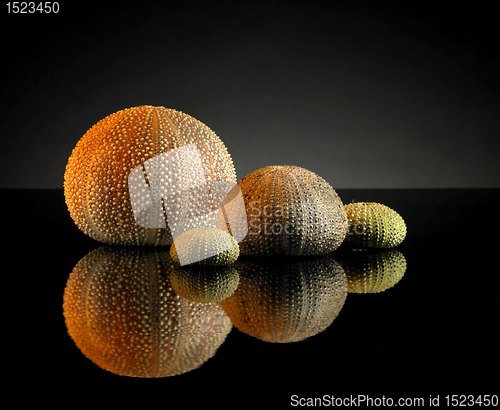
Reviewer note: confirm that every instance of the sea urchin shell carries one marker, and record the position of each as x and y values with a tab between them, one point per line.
96	184
374	225
291	211
206	246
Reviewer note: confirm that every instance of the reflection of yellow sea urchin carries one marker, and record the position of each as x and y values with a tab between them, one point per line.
96	178
374	225
205	246
205	284
291	211
373	271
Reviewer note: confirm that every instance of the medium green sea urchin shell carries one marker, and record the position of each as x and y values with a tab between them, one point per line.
205	246
291	211
373	225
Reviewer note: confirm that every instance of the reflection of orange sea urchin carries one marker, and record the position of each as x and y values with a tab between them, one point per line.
96	178
123	315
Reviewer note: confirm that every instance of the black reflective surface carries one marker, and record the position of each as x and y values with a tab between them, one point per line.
434	331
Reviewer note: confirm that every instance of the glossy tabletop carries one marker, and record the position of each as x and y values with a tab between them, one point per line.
432	331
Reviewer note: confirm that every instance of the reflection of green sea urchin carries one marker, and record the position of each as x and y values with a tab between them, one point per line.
205	246
373	271
286	300
374	225
205	284
291	211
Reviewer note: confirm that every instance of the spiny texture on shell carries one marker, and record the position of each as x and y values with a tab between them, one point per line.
96	178
205	246
283	301
291	211
122	313
207	284
373	271
374	225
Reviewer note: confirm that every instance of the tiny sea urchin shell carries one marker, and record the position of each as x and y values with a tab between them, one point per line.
374	225
206	246
96	186
291	211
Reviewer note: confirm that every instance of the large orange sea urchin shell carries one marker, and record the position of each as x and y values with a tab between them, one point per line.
96	178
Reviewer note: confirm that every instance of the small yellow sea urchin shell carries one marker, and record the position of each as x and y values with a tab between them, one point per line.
373	225
205	246
205	284
96	185
291	211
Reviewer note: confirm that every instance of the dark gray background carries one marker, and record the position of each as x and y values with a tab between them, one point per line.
365	96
